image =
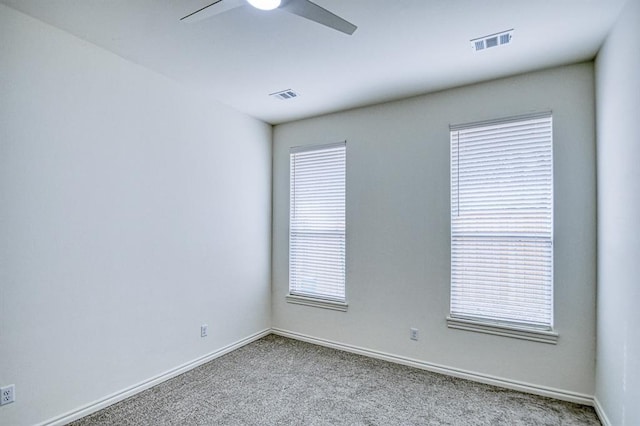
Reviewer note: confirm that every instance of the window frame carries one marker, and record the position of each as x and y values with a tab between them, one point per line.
522	330
295	295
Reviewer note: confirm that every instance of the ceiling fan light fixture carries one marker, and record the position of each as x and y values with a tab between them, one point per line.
265	4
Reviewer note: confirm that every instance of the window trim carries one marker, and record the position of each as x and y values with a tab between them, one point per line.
502	329
497	327
317	301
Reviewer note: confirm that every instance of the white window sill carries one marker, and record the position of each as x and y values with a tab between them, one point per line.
318	303
543	336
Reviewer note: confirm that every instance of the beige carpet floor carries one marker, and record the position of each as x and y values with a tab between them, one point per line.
279	381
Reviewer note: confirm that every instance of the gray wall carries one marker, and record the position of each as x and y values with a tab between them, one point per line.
618	112
131	211
121	231
398	248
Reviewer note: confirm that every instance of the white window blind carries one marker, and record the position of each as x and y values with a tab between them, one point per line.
502	222
317	222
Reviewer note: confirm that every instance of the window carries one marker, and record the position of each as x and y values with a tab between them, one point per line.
502	227
317	226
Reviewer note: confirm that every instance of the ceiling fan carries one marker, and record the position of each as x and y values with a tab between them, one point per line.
304	8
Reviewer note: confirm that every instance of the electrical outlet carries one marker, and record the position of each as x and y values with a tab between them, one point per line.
204	329
7	394
413	333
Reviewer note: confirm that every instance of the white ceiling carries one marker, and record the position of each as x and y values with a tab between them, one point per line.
401	47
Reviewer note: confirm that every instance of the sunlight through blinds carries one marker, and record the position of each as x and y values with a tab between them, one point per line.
502	221
317	222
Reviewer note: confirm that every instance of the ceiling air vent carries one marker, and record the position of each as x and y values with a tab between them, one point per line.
492	40
285	95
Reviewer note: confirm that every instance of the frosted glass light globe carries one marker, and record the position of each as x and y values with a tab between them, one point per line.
265	4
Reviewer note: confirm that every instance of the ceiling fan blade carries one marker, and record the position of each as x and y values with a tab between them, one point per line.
315	13
212	9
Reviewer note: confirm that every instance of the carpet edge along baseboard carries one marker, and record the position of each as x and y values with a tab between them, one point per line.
116	397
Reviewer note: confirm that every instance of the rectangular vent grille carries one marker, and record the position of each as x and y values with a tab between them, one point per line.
284	95
492	40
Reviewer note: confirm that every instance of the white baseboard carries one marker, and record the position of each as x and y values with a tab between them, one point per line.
455	372
601	413
463	374
132	390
